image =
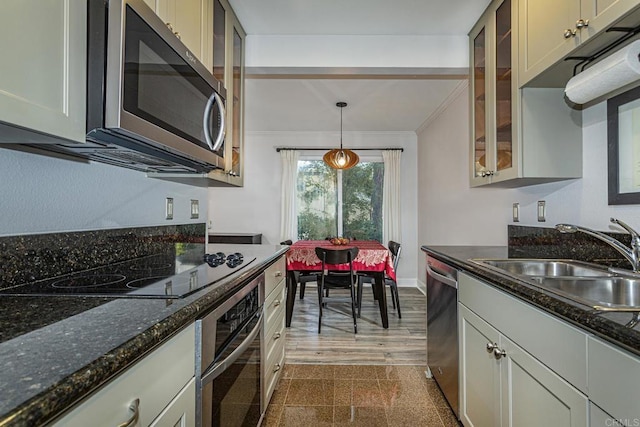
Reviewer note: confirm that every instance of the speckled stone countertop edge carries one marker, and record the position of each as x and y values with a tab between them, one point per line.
585	318
57	399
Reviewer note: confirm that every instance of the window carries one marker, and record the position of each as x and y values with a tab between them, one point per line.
339	203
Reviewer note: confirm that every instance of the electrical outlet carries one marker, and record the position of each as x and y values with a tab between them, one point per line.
169	208
195	209
542	211
516	212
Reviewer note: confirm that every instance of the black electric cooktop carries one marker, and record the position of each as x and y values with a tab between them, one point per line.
155	276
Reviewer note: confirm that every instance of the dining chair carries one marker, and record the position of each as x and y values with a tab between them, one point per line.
395	248
333	279
301	278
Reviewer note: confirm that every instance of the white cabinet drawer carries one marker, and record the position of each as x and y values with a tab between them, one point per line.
275	336
274	304
273	370
555	343
614	376
274	275
155	381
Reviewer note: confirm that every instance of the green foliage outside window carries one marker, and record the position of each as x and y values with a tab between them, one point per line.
362	201
361	207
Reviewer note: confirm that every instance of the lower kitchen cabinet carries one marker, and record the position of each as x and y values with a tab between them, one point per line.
516	361
181	412
274	329
159	390
614	377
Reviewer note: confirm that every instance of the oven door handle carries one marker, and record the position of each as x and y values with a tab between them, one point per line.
215	370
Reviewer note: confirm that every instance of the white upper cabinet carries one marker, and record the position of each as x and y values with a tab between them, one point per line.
191	21
518	136
43	77
550	30
228	68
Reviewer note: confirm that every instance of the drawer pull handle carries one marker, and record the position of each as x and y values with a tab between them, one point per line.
568	33
276	368
276	303
499	354
134	407
278	274
276	336
491	347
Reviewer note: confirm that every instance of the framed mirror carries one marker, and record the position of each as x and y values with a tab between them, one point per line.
623	135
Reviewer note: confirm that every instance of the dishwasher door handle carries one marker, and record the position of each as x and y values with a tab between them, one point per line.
442	277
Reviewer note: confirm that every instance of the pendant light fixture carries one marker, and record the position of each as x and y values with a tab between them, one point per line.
341	158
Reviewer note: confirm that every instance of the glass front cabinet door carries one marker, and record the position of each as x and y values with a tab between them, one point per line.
492	89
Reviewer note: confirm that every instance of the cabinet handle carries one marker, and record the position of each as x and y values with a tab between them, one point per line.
276	336
276	368
498	354
581	23
134	407
491	347
169	25
177	35
568	33
278	274
276	303
487	173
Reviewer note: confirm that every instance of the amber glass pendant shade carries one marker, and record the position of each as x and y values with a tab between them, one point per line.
341	158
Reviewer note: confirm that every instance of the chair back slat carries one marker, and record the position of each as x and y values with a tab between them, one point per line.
394	248
337	256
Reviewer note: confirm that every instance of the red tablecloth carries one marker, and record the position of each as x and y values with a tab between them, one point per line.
372	256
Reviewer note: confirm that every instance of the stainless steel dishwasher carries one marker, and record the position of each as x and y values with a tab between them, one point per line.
442	328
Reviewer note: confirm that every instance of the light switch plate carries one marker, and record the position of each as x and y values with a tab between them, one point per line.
516	212
195	209
542	211
169	208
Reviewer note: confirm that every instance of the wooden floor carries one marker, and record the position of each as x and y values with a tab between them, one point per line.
404	343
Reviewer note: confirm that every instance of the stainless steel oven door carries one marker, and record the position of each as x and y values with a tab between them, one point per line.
231	388
157	90
228	360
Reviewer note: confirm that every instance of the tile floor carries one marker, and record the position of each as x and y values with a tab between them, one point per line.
357	395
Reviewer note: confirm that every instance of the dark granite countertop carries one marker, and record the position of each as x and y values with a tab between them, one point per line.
609	326
56	350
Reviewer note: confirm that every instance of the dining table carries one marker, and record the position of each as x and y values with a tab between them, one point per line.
373	259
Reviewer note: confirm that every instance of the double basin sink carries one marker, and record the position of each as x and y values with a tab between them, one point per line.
582	282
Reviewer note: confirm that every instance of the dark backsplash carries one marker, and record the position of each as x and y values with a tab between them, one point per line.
543	242
34	257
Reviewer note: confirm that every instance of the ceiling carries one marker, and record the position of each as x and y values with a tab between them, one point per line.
380	103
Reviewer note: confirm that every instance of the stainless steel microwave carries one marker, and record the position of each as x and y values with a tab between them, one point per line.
151	105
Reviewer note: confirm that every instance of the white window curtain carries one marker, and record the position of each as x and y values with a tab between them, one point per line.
391	196
289	219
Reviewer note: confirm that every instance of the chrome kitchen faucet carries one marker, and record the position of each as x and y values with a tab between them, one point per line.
632	254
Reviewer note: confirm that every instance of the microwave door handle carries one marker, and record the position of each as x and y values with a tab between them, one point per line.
223	129
214	146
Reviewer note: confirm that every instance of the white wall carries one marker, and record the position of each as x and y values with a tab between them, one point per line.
452	213
41	194
256	206
346	52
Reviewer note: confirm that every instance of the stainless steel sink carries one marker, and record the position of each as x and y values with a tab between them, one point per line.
601	293
585	283
546	267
